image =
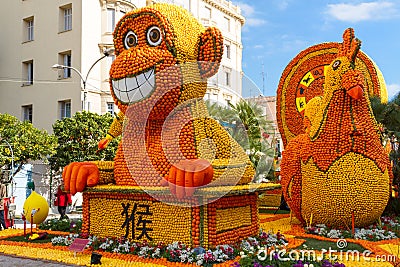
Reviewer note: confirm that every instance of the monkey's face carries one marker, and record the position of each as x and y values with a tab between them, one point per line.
145	67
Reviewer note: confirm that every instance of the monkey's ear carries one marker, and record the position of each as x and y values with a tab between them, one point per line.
210	52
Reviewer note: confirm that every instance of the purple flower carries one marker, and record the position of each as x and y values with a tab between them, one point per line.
299	264
326	263
263	235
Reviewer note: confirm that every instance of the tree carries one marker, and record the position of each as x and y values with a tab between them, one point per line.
78	139
388	116
27	143
247	124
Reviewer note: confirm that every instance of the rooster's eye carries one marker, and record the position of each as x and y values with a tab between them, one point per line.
336	64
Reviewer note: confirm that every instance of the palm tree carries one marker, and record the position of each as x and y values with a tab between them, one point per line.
246	124
388	116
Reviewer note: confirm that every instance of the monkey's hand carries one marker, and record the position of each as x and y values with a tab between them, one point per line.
78	175
184	177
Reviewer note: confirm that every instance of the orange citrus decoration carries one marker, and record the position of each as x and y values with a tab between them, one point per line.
304	77
175	168
158	79
337	167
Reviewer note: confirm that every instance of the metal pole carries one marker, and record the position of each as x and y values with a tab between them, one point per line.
106	53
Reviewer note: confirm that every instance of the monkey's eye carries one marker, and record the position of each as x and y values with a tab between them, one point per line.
336	64
154	36
130	40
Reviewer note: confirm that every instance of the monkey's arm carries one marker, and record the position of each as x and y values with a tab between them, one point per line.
114	131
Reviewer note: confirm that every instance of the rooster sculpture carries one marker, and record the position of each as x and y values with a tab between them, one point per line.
337	172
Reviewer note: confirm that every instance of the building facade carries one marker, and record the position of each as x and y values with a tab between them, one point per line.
42	33
37	34
268	104
226	85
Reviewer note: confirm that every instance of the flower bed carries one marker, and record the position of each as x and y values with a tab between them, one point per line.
387	230
281	232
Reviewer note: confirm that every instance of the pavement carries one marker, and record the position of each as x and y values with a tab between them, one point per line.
7	260
13	261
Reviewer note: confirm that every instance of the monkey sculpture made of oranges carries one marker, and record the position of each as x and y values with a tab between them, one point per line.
158	80
337	172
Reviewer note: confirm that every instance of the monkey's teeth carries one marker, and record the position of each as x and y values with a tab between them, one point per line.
133	89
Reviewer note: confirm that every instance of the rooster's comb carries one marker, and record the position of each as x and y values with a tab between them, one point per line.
350	45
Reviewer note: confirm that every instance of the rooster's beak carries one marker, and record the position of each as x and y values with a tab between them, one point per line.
356	92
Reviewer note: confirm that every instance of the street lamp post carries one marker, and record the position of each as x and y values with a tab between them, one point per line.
106	53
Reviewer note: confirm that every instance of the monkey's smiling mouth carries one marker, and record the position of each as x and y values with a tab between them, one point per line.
133	89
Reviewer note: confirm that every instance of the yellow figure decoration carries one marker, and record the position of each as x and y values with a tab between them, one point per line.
158	79
36	207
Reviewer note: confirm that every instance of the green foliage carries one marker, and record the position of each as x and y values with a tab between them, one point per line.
388	116
78	138
247	124
27	142
64	225
21	238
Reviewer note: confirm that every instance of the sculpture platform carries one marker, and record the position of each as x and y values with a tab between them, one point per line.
213	216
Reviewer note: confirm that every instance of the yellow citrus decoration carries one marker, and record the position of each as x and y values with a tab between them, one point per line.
337	172
158	80
304	78
37	206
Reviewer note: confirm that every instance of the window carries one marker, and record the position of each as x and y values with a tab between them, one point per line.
28	28
227	24
110	108
64	58
110	19
27	113
27	72
121	14
65	109
66	18
67	62
206	13
227	78
228	51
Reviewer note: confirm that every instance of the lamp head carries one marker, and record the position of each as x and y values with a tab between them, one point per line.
108	52
57	67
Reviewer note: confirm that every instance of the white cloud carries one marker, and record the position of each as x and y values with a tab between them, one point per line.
258	46
362	11
255	22
247	10
249	13
282	5
393	89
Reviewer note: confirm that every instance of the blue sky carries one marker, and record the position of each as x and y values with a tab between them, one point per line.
277	30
